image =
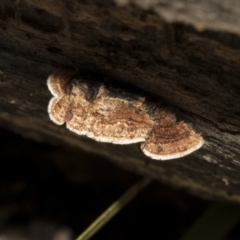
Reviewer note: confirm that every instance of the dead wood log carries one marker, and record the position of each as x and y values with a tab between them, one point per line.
195	73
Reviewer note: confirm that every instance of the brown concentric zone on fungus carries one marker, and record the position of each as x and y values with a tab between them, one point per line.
92	109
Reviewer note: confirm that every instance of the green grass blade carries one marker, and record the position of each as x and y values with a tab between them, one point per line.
113	209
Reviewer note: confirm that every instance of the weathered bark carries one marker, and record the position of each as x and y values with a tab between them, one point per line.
196	74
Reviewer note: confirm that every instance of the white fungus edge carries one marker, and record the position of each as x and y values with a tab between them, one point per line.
174	155
113	140
50	113
50	86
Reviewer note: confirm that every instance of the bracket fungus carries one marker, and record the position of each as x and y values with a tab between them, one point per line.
107	114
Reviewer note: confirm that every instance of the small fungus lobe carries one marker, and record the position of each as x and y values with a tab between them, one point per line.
105	114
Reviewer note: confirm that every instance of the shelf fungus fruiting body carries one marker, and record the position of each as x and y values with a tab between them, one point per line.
107	114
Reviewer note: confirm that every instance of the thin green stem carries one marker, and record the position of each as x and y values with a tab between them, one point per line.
114	209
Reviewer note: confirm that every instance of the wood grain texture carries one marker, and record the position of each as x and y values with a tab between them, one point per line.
195	74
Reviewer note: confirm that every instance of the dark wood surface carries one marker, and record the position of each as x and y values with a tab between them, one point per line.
195	74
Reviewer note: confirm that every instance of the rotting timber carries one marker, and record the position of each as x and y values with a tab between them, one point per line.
195	73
